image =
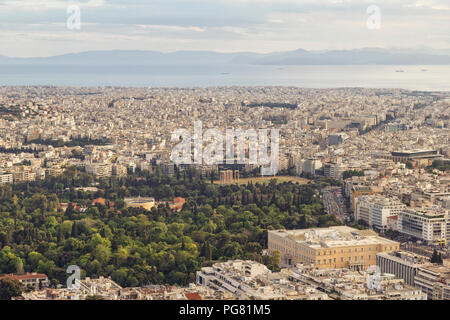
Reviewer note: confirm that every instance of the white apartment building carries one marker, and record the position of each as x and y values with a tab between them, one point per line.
429	225
252	280
239	278
375	210
6	178
99	169
332	170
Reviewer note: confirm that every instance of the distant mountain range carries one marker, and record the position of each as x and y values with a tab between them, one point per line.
367	56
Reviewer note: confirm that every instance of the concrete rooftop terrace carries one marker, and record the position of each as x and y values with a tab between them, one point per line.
339	236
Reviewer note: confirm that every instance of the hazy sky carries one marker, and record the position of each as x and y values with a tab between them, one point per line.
39	28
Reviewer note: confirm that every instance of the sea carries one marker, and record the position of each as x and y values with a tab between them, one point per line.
422	78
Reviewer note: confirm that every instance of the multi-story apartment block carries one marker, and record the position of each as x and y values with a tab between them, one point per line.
357	191
429	225
333	247
6	178
119	170
434	280
253	280
99	169
355	285
375	210
403	264
332	170
54	172
23	173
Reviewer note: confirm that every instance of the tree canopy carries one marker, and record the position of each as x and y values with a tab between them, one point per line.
139	247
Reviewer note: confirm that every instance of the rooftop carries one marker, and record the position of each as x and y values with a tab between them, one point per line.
340	236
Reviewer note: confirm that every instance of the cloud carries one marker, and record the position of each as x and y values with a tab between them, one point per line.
171	28
430	4
222	25
42	5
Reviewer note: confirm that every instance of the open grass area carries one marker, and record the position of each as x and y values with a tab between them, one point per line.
279	179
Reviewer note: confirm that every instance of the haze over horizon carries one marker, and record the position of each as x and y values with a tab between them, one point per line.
186	58
38	28
397	50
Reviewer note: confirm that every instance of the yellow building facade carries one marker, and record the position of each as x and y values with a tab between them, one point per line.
146	203
329	248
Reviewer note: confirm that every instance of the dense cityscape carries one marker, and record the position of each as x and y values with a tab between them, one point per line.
358	210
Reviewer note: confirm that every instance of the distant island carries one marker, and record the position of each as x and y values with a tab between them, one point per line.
365	56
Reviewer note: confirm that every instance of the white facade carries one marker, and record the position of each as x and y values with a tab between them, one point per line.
99	169
332	170
428	225
233	276
6	178
375	210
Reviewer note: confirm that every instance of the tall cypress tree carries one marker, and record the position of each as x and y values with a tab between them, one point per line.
434	257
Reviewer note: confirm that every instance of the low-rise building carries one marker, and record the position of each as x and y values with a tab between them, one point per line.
345	284
140	202
252	280
34	280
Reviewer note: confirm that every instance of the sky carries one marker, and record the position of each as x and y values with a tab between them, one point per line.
30	28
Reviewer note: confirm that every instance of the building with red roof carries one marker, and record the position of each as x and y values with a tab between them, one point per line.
192	296
36	280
